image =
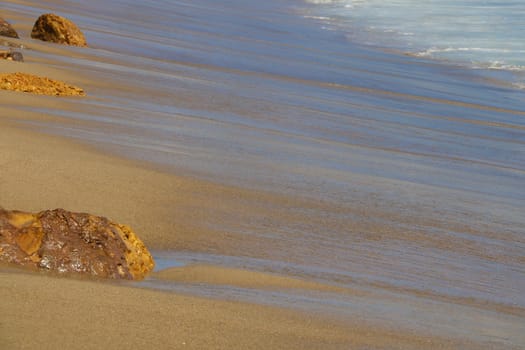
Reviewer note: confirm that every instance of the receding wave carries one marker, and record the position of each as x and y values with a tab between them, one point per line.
464	32
320	2
435	50
303	156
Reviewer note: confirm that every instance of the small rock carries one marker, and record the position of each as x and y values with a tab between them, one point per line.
12	56
57	29
7	30
17	56
66	242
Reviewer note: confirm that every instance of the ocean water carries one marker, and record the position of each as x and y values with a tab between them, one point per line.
482	34
400	176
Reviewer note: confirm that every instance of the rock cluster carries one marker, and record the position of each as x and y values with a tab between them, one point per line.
37	85
66	242
7	30
57	29
48	27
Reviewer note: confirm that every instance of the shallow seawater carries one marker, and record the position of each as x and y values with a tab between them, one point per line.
393	175
483	34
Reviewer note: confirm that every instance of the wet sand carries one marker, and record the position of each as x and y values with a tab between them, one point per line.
309	212
237	277
44	312
40	171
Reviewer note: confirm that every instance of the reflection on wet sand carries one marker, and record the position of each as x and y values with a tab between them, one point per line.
292	153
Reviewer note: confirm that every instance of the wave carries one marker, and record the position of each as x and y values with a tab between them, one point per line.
319	18
504	66
472	33
434	50
323	2
478	62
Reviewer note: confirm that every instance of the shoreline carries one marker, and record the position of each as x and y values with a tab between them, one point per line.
90	315
304	329
41	171
379	191
402	43
83	313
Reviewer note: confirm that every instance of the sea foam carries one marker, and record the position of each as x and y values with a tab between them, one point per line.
483	34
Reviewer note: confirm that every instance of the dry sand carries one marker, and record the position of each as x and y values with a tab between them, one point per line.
50	313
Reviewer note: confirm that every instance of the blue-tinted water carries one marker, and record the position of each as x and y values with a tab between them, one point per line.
362	167
482	33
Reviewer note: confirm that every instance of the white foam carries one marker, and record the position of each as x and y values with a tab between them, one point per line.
320	18
478	33
322	2
505	66
434	50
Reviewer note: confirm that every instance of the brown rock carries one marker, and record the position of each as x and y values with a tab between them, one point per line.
7	30
37	85
57	29
67	242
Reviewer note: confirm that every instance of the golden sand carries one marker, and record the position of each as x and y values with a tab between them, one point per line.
49	313
167	211
44	312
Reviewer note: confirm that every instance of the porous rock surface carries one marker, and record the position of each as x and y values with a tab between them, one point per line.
76	243
34	84
7	30
57	29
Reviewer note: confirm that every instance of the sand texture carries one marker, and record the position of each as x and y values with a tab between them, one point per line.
46	313
85	315
41	171
318	197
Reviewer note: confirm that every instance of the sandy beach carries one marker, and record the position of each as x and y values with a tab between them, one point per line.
297	191
44	312
40	171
